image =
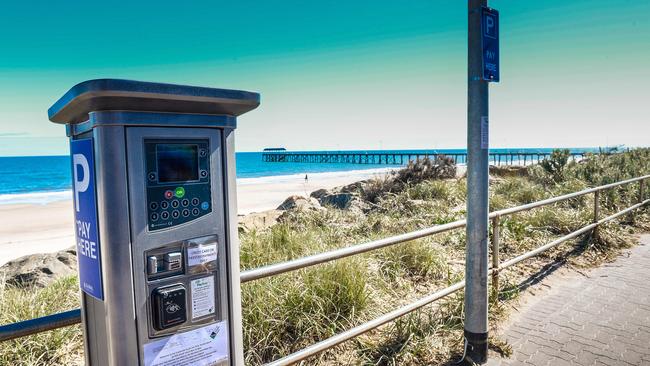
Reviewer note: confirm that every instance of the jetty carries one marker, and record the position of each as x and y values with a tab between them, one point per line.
402	157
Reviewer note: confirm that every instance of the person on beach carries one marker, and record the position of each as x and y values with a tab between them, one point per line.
306	179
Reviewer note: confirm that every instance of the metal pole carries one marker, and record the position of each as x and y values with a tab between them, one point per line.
33	326
641	193
496	232
476	257
596	212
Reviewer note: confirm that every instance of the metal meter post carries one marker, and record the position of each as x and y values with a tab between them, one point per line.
153	169
483	67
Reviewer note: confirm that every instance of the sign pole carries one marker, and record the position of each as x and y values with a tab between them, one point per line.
483	67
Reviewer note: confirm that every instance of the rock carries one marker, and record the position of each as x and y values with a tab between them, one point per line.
40	270
300	203
355	187
338	200
352	188
345	201
259	220
344	198
358	205
319	193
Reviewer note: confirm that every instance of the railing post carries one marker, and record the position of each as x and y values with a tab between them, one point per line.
496	233
596	212
641	187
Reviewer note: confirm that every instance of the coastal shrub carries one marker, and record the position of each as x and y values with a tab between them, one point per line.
62	346
263	318
594	169
430	190
411	338
555	164
336	290
415	258
513	229
375	188
519	190
429	336
498	202
603	169
416	171
449	192
284	314
555	220
279	243
612	236
571	185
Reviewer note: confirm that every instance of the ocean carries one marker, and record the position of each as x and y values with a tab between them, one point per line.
42	179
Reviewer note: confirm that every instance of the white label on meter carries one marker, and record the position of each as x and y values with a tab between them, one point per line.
200	347
201	254
202	290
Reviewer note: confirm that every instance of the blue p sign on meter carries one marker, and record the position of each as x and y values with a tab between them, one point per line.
85	212
490	43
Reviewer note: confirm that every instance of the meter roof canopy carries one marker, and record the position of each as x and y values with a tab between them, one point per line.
129	95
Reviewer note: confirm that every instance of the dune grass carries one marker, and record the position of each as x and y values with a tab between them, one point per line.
58	347
402	273
285	313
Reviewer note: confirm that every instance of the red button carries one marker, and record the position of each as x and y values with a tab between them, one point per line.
169	194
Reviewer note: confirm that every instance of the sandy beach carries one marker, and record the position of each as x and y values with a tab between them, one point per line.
29	228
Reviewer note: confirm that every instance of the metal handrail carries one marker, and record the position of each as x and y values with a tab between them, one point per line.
292	265
572	235
42	324
512	210
365	327
328	343
71	317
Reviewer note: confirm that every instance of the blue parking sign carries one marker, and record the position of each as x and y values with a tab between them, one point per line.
85	209
490	43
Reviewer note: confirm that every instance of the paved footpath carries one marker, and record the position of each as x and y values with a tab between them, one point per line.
602	318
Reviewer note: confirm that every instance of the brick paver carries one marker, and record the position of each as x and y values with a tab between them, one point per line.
602	318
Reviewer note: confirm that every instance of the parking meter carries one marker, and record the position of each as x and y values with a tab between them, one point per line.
153	170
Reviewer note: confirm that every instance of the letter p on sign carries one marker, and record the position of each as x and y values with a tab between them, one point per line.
80	161
490	25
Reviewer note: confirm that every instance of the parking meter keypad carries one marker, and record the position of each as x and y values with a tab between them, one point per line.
178	181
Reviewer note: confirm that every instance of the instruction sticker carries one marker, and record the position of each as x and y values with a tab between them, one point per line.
202	254
205	346
202	297
485	132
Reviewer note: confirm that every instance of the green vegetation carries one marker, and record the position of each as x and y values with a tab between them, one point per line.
58	347
555	164
418	197
290	311
415	172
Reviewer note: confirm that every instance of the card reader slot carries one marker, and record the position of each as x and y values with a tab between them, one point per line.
165	262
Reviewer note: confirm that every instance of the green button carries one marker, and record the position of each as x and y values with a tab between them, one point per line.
179	192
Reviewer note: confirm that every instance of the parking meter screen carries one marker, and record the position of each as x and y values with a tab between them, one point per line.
177	162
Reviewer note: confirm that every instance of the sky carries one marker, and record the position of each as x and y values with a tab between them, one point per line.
337	75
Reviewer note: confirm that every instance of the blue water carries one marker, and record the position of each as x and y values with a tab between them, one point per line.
21	175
